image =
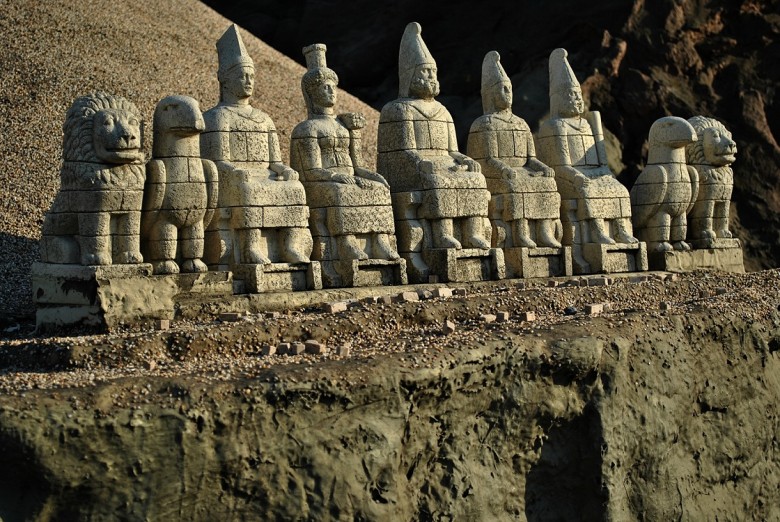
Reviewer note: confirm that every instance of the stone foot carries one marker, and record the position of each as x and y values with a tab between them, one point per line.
599	233
383	248
681	245
622	235
194	266
165	267
663	246
99	258
725	233
349	248
547	235
448	241
124	258
255	257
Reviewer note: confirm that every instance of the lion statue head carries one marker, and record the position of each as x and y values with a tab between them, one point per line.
103	128
714	145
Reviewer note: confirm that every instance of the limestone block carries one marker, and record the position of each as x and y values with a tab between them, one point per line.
363	272
717	258
711	156
95	217
666	188
465	265
278	277
620	257
523	262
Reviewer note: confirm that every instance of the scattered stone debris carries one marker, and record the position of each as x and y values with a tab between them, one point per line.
528	317
336	307
552	283
296	349
269	349
570	310
599	281
502	317
386	299
594	308
487	318
424	294
665	306
407	297
162	324
720	290
442	292
344	350
460	292
449	327
230	317
283	348
314	347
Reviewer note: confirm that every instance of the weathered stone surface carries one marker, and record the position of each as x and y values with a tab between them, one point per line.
444	196
538	262
95	218
595	206
666	189
725	259
180	194
262	206
711	157
351	217
525	205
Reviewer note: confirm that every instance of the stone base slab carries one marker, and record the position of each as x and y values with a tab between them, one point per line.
607	259
364	272
462	265
277	277
522	262
724	259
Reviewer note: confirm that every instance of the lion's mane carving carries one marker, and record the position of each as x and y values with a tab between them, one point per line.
95	217
711	155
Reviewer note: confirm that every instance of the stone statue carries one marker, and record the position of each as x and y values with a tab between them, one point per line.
181	189
351	212
262	214
95	218
711	156
524	197
596	207
440	198
666	189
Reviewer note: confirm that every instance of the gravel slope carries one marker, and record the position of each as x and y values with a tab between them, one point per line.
54	52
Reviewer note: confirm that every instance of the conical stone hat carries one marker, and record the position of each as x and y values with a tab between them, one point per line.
231	51
492	74
413	52
562	77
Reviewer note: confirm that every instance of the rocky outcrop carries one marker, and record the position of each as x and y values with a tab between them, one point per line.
655	417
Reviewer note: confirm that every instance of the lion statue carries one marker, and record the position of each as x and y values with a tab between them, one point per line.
96	216
711	155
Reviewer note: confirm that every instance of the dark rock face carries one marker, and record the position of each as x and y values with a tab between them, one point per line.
637	61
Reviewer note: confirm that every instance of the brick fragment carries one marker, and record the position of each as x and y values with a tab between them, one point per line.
665	306
502	317
407	297
315	347
594	308
229	317
528	316
269	350
460	292
449	327
487	318
336	307
344	350
442	292
162	324
296	349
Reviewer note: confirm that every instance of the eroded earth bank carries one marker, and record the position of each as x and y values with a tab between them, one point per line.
664	407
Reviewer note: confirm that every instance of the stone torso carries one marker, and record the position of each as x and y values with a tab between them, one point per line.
244	136
578	137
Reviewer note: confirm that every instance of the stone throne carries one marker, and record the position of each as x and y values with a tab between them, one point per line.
595	206
440	198
524	205
351	214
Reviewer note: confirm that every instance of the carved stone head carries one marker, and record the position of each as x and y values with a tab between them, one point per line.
417	72
236	71
565	93
715	145
319	82
103	128
496	86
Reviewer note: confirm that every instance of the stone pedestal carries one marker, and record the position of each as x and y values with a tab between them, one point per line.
365	272
621	257
525	263
464	265
95	296
107	296
277	277
727	258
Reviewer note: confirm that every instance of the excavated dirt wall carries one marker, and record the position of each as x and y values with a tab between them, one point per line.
650	417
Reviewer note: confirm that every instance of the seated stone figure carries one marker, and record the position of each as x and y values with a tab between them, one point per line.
262	215
711	156
596	207
351	212
95	218
440	197
524	197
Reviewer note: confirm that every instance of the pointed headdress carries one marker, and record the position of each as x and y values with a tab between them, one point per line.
493	74
318	70
413	52
231	51
562	77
